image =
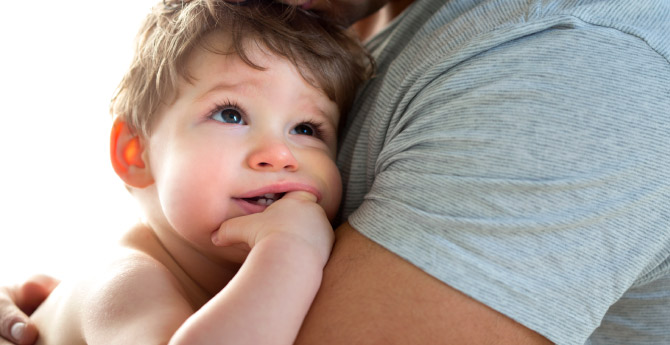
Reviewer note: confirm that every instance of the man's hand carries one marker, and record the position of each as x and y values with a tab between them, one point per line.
19	301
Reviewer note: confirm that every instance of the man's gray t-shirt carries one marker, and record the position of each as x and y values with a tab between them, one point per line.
519	151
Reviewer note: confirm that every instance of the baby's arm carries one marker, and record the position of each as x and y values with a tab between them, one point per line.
269	297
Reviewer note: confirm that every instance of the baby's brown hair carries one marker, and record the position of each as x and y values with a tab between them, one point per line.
326	55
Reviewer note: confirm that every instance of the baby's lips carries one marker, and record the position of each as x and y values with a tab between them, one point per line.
281	188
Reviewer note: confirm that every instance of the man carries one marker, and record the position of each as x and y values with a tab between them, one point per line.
505	177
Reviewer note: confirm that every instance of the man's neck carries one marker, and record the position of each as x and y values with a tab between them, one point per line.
376	22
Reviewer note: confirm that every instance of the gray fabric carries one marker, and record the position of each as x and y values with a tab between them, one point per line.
519	151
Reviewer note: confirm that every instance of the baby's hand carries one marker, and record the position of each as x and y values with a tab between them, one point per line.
296	216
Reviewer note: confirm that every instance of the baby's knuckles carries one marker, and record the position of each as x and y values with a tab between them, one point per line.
298	216
295	220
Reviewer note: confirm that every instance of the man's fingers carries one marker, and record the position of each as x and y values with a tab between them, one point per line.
20	332
17	302
15	326
34	291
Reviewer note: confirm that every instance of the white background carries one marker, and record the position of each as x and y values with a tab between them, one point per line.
60	201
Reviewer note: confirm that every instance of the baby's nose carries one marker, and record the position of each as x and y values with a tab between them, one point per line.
272	155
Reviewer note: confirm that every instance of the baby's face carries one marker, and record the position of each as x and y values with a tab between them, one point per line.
236	139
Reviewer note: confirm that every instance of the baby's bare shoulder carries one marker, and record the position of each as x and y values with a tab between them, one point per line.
127	294
134	297
130	275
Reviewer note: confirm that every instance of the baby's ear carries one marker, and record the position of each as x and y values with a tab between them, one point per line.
127	154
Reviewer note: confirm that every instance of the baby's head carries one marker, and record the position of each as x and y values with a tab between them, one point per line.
326	55
226	108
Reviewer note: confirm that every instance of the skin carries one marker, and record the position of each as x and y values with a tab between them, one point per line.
371	296
17	301
346	11
365	291
233	134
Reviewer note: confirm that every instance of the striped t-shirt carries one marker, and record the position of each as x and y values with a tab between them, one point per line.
519	151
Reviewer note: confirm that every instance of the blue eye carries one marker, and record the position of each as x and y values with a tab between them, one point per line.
228	115
304	129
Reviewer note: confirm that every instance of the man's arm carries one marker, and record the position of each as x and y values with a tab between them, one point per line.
371	296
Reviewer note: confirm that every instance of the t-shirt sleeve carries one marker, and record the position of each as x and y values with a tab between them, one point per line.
532	176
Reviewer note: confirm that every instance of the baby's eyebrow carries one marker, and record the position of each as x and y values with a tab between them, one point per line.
237	87
313	108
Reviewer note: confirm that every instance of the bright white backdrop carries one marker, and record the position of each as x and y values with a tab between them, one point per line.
60	201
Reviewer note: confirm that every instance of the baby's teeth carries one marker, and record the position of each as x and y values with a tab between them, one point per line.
266	199
266	202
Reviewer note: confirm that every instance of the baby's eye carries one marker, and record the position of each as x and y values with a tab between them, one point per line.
305	129
228	115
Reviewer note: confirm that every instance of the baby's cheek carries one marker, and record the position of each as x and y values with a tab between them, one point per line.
331	202
191	211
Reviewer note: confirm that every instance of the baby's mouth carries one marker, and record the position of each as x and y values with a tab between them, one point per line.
265	199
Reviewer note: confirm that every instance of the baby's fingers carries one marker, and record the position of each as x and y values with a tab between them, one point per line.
285	215
301	196
236	230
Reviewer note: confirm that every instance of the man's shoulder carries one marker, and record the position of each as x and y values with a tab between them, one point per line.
436	30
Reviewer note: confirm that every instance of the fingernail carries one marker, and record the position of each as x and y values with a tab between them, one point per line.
17	330
215	238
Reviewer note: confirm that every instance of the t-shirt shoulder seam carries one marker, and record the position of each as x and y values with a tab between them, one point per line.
626	30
